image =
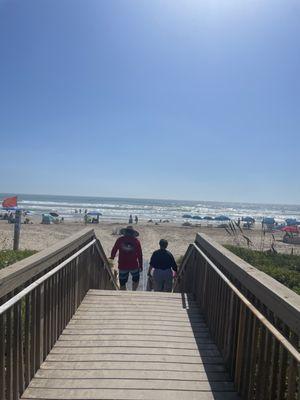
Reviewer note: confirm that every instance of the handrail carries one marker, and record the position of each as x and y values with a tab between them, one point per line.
30	268
262	360
106	263
291	349
277	302
39	296
41	280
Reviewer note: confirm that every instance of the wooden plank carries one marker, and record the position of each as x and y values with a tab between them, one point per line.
133	365
109	324
153	332
156	295
174	358
206	350
129	343
138	316
129	394
150	384
149	338
129	374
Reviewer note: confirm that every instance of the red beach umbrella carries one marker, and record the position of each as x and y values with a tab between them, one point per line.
290	229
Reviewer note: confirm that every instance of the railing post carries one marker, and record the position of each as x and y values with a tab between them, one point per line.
2	357
40	326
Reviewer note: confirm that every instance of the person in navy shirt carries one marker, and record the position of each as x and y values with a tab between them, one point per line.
162	263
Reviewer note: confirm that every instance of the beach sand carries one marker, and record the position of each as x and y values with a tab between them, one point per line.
37	236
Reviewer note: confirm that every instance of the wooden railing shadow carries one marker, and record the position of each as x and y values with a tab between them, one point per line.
38	297
262	362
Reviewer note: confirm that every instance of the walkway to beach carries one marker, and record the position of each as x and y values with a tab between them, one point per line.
67	332
125	345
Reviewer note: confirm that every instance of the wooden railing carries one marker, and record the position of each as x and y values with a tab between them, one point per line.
39	296
262	361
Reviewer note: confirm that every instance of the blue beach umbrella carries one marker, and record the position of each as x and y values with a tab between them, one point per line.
248	219
187	216
95	213
222	218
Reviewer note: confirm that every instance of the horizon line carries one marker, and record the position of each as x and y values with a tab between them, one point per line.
150	198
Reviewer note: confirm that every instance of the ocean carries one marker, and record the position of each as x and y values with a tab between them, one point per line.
173	210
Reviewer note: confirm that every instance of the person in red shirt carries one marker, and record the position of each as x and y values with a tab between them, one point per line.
130	257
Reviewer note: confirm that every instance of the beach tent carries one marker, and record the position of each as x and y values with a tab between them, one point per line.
48	219
196	217
208	218
54	214
92	217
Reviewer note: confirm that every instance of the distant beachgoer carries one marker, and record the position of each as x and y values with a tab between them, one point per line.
130	219
85	211
239	221
136	219
130	257
163	263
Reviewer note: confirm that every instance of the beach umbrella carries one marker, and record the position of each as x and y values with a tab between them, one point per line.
268	220
248	219
290	229
222	218
291	221
208	218
187	216
96	213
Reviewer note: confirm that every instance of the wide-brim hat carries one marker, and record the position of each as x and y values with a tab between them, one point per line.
129	231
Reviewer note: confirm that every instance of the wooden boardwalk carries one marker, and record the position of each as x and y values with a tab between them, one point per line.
141	345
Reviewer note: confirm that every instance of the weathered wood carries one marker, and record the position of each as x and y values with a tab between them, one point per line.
150	384
21	272
206	350
128	394
100	358
34	314
255	342
282	301
129	374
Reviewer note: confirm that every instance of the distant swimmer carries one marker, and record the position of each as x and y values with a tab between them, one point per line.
130	219
136	220
130	257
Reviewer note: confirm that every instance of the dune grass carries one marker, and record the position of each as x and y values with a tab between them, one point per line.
284	268
8	257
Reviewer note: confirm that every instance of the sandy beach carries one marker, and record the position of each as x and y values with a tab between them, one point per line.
37	236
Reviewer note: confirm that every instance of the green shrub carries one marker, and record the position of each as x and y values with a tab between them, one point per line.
8	257
284	268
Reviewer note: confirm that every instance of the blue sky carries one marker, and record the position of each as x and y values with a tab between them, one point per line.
194	99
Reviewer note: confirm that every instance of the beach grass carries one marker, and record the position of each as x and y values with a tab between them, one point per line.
285	268
8	257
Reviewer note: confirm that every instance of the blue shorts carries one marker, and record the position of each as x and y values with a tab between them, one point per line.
124	274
